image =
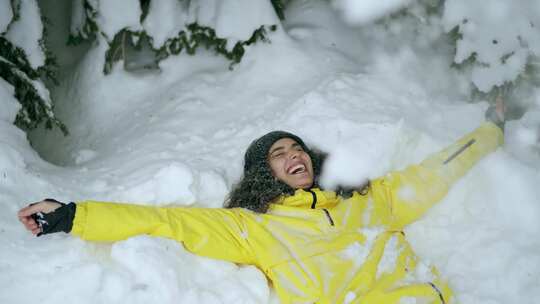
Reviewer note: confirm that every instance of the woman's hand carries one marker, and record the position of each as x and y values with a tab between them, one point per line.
28	214
496	113
500	108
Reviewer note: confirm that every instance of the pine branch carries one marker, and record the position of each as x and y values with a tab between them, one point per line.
188	40
35	110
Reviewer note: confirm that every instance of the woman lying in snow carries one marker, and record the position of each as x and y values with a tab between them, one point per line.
314	246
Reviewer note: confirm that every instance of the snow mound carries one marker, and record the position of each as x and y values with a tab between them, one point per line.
363	12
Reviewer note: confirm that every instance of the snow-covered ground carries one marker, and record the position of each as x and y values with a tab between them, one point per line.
374	102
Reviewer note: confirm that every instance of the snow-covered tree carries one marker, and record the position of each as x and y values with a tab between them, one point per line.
139	32
159	29
499	49
494	54
25	62
497	42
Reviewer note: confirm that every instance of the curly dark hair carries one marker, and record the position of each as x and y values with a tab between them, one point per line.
258	187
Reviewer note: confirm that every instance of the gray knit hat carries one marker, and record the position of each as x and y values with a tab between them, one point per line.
257	151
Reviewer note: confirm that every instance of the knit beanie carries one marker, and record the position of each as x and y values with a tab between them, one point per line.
257	151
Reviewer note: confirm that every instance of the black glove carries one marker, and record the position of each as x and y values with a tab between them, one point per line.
60	219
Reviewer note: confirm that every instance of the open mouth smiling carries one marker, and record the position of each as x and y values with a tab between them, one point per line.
296	169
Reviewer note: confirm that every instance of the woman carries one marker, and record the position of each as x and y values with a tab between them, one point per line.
314	246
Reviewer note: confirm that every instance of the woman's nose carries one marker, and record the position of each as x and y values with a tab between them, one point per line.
294	154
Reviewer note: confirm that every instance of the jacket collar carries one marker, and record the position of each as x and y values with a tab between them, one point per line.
305	199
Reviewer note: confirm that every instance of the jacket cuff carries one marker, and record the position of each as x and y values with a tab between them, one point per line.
79	222
498	132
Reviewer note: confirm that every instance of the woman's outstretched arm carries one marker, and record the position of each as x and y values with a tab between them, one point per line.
402	197
216	233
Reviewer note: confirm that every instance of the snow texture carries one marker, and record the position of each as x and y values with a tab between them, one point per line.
113	16
10	105
388	262
359	252
40	88
27	32
178	137
366	11
230	20
345	163
78	17
6	14
165	20
501	48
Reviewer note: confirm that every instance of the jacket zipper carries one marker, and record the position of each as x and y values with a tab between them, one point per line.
459	151
329	217
438	292
326	212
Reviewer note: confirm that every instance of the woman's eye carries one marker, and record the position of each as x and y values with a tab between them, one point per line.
278	155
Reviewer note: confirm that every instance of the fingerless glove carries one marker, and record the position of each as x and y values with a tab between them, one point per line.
60	219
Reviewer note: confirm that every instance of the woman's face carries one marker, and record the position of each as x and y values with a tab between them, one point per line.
291	164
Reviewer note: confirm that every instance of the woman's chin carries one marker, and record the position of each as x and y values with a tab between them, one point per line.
303	184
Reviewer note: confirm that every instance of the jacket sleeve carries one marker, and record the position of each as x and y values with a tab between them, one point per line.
402	197
215	233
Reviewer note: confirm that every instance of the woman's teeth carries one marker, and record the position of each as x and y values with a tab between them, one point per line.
297	169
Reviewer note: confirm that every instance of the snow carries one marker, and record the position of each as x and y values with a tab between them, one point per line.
5	15
349	297
40	88
359	252
111	21
347	165
179	137
232	22
485	34
501	49
27	31
10	105
84	155
165	20
160	184
524	142
388	262
362	12
230	19
78	17
158	271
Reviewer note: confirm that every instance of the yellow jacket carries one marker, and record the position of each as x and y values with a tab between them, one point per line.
314	246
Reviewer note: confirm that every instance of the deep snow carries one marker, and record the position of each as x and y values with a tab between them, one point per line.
177	137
